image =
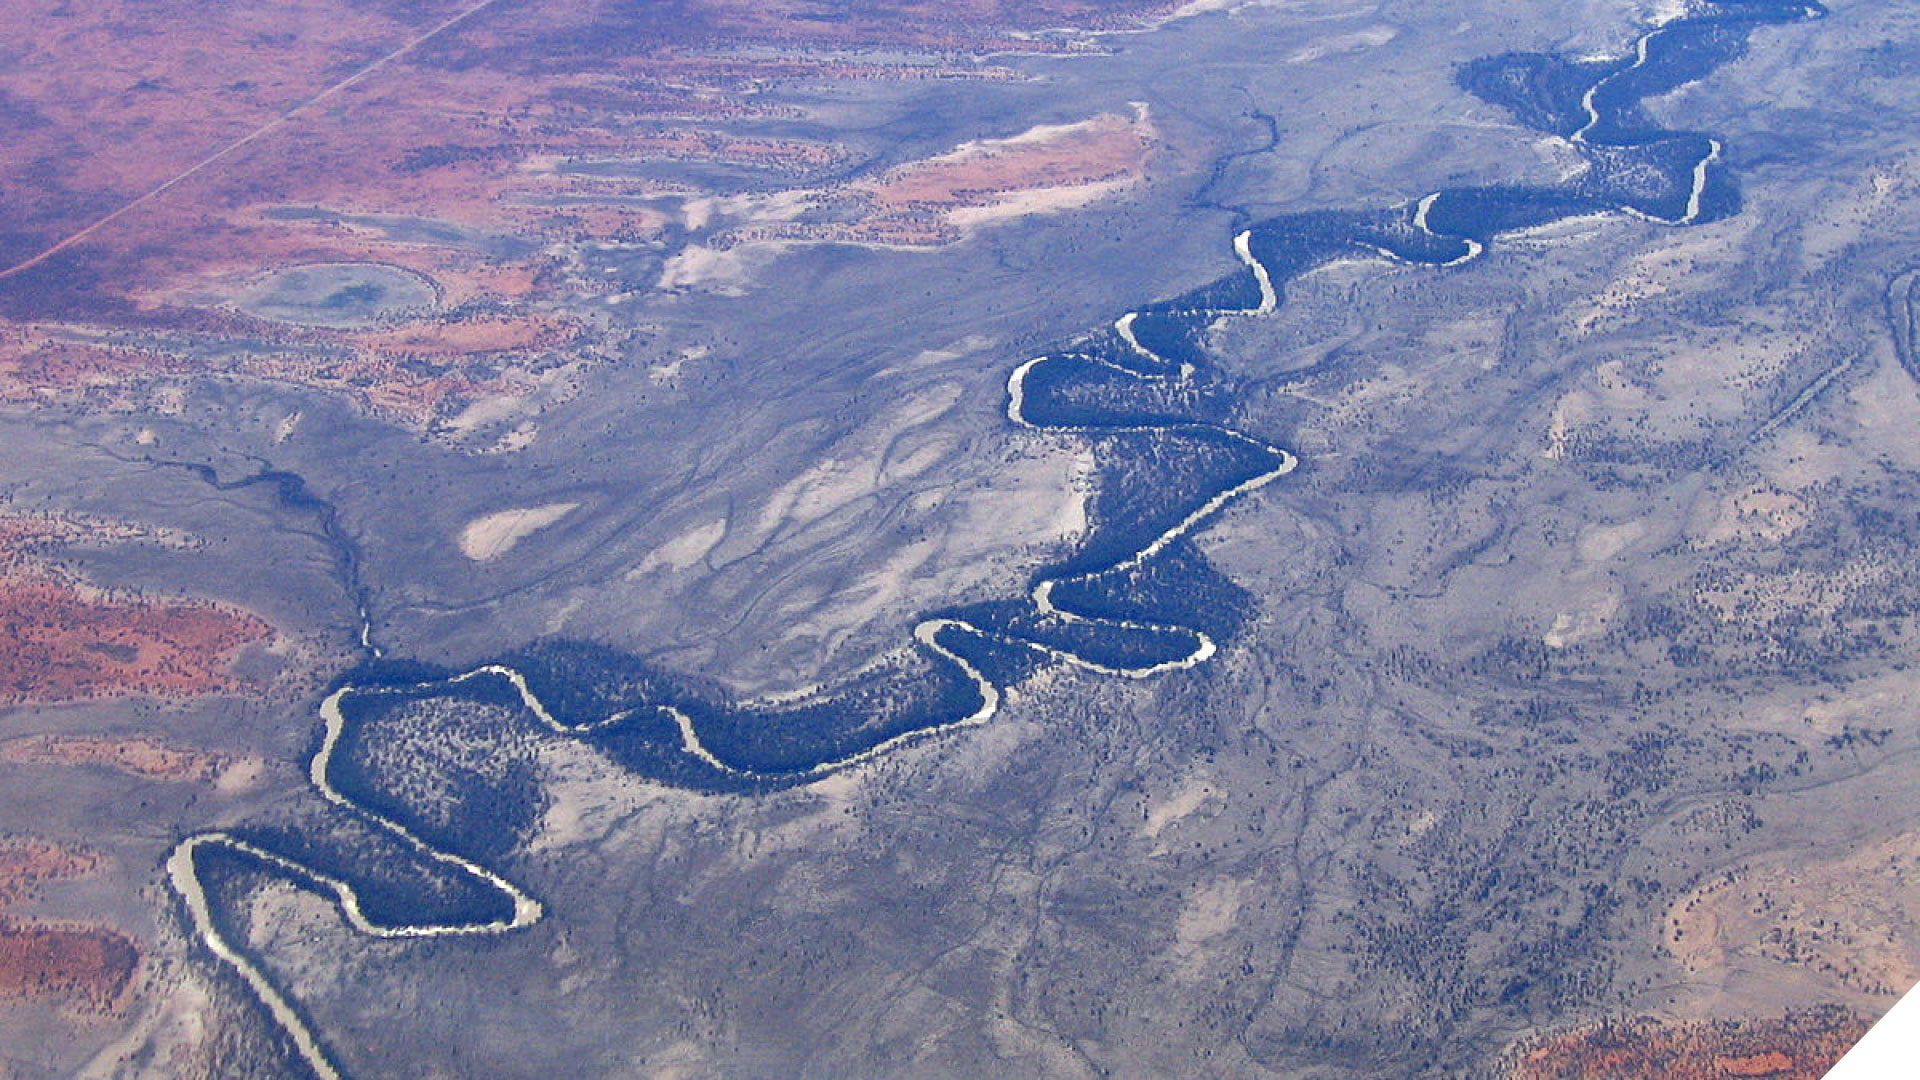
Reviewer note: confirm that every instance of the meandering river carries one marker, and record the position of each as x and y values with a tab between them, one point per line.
1122	386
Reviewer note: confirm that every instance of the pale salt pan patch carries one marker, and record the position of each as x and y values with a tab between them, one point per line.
493	535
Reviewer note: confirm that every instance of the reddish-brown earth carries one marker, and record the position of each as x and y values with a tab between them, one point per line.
63	640
68	643
48	365
941	199
1107	147
1797	1046
26	862
1058	165
150	171
84	968
1840	918
146	758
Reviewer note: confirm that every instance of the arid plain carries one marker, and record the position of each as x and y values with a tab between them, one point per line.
1564	724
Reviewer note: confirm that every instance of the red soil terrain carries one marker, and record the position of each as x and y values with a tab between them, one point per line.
62	640
161	156
1107	147
1062	164
84	968
25	863
1797	1046
66	644
145	758
470	359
